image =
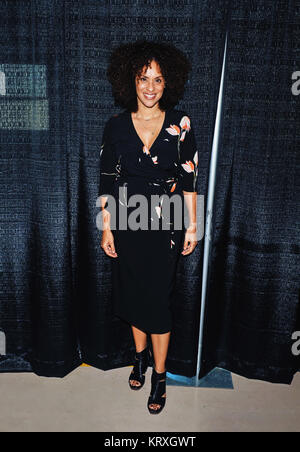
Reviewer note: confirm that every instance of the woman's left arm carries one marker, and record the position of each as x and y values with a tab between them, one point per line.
189	172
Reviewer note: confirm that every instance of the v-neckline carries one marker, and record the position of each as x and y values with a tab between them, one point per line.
135	131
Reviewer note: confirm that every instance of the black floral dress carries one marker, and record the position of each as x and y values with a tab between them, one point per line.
143	274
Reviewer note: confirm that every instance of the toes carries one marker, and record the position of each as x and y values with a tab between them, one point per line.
154	407
135	383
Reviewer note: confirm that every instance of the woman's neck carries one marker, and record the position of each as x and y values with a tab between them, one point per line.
147	113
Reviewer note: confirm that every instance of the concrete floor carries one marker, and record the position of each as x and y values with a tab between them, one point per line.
91	400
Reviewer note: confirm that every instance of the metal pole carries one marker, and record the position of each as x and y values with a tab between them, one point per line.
209	210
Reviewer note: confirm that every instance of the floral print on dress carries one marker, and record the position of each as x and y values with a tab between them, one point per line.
191	165
147	152
178	132
173	187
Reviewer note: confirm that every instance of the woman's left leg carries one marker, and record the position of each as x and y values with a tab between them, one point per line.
160	344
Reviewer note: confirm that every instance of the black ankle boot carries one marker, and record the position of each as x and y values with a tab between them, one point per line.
142	361
158	389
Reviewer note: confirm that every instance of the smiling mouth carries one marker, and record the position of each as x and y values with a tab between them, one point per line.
149	96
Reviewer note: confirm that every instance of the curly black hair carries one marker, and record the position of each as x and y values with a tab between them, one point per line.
128	60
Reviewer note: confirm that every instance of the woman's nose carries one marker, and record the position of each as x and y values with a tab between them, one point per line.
150	85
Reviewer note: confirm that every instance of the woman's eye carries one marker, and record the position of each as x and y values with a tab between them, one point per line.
143	79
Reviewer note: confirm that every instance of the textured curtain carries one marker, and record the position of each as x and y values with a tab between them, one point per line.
55	286
37	307
253	304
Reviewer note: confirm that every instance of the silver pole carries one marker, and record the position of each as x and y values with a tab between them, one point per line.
209	209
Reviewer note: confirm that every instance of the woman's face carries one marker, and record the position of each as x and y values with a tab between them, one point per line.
150	85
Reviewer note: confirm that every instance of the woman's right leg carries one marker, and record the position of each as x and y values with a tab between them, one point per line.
140	339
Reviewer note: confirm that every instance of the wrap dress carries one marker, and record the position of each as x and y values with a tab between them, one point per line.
143	274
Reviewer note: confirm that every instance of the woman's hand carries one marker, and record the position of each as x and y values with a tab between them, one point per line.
190	241
108	244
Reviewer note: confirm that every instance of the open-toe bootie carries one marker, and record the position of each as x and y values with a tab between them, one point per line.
158	391
142	360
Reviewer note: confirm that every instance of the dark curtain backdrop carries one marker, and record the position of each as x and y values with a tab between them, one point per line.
253	298
56	290
55	304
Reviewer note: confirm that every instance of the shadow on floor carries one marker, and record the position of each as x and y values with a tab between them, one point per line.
216	378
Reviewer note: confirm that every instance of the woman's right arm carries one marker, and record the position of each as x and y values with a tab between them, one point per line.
107	175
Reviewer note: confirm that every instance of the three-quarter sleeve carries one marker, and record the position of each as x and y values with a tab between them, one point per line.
188	155
108	163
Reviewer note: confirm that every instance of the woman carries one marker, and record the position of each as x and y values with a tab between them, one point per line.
148	149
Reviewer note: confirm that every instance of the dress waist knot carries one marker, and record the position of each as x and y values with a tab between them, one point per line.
158	180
